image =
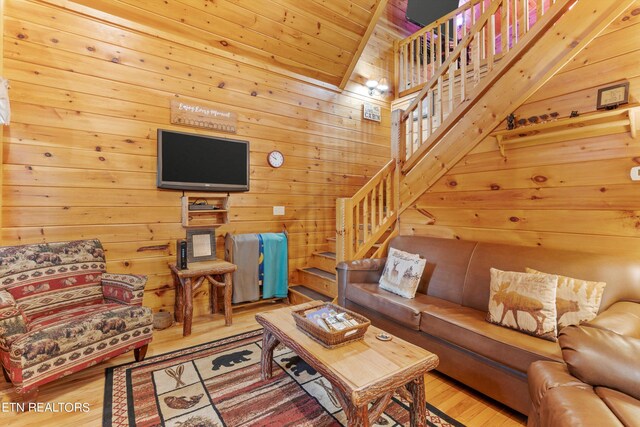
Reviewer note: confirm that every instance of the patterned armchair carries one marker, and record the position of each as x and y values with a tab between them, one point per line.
60	312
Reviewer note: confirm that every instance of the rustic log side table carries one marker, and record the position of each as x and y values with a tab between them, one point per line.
360	373
189	280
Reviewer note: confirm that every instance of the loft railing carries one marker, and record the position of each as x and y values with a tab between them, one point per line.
363	219
367	221
418	57
465	66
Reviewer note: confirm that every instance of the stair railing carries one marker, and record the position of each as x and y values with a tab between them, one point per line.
495	28
418	57
465	66
364	218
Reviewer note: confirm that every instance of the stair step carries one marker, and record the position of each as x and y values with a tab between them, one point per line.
299	294
325	261
331	255
319	280
318	272
331	239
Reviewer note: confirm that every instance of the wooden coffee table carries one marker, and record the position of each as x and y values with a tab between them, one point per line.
362	372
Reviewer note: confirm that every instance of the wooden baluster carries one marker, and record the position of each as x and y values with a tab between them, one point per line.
505	38
387	198
476	58
380	200
430	129
539	10
365	219
410	146
425	57
420	136
344	228
483	36
405	49
414	63
410	49
439	102
452	76
374	208
491	42
397	60
432	53
447	38
463	75
356	226
455	38
526	12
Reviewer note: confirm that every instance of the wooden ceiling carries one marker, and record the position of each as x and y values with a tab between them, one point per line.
313	39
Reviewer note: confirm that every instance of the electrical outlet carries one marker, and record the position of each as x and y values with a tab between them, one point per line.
635	173
278	210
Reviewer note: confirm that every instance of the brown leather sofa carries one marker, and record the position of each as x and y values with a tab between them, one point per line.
600	383
447	316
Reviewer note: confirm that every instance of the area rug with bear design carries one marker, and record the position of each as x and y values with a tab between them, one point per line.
218	384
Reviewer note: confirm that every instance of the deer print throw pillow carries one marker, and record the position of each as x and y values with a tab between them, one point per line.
525	302
577	300
402	273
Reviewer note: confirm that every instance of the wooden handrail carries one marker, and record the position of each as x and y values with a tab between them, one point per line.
364	218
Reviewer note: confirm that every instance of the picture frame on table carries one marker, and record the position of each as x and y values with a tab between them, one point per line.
201	244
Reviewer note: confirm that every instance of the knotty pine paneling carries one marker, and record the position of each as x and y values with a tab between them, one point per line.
574	194
89	89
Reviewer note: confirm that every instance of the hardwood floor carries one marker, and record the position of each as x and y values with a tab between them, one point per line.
453	398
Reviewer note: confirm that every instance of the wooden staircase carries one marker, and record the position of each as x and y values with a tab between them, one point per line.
498	56
317	281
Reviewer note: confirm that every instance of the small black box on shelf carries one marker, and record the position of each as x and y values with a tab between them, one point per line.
181	254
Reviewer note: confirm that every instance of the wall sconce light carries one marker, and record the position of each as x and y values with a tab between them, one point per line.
377	87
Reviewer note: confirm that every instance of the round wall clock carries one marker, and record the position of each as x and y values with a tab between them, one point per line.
275	159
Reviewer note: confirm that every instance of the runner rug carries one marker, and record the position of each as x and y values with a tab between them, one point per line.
218	384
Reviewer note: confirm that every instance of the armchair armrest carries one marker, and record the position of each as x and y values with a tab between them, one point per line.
622	317
358	271
123	288
12	322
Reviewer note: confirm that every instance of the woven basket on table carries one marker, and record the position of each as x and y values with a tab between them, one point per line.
332	339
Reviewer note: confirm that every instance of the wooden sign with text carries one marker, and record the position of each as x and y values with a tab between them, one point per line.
202	116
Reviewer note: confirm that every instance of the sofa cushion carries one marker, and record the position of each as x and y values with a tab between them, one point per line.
79	332
402	272
467	328
574	406
402	310
48	278
625	407
577	300
524	302
602	358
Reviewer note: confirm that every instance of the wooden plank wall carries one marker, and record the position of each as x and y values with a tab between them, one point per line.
572	195
80	155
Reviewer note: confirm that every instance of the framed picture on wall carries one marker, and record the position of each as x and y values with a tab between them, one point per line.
612	96
201	244
371	112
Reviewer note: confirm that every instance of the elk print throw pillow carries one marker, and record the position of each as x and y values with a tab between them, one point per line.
577	300
402	273
525	302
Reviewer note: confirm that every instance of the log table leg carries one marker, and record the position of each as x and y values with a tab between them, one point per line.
269	343
357	416
188	306
179	300
417	408
213	295
228	291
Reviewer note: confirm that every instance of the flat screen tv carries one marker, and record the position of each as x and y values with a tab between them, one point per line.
188	161
424	12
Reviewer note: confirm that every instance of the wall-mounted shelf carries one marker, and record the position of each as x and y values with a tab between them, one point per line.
205	218
608	122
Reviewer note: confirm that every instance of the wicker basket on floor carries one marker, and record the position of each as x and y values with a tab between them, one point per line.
331	339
